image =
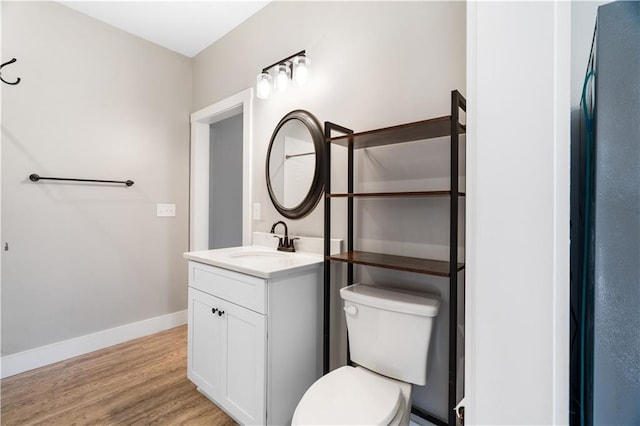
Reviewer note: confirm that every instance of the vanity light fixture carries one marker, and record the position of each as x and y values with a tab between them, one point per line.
278	76
263	85
301	73
283	75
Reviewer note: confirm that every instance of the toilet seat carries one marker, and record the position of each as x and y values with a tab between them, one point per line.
350	395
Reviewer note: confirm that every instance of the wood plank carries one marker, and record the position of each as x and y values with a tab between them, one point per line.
139	382
400	263
419	130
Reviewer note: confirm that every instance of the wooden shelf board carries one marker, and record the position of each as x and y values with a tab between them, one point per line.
393	194
419	130
400	263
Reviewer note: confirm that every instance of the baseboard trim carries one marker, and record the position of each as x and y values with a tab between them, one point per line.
60	351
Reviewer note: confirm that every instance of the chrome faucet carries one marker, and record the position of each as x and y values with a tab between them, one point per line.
284	243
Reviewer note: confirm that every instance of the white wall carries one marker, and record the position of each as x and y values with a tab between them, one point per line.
373	64
94	102
518	213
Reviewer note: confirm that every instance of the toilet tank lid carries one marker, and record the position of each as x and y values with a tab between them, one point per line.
392	299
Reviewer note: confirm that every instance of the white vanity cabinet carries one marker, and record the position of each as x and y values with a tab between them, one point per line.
254	343
227	355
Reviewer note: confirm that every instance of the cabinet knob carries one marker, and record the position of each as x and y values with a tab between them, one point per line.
220	313
214	310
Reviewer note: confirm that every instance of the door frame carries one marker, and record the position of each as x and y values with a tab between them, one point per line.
201	121
500	386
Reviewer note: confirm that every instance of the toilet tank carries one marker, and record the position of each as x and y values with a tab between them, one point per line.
390	330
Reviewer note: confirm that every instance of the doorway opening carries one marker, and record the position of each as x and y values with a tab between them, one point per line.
225	183
234	115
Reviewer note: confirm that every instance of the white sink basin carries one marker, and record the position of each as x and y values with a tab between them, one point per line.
258	261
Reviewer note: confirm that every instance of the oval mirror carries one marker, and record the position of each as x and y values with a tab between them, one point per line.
294	164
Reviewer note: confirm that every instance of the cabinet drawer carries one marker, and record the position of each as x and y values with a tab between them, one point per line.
243	290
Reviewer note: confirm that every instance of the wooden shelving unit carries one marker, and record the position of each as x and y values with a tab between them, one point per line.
419	130
447	126
399	263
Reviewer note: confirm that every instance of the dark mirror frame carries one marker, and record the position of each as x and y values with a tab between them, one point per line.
317	184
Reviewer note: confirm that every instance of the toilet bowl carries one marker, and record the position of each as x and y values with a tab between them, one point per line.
389	336
354	396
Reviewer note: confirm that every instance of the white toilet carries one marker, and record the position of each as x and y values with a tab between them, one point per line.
389	335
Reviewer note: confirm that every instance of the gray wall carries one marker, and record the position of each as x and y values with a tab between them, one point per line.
373	64
225	183
615	234
364	75
94	102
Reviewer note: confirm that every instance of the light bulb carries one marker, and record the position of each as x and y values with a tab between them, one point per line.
263	85
282	78
301	73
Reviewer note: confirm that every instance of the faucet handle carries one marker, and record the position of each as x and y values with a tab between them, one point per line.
290	245
285	243
280	243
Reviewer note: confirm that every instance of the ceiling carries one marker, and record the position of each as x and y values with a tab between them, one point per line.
186	27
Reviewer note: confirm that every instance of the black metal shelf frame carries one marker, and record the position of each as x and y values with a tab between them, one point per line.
458	103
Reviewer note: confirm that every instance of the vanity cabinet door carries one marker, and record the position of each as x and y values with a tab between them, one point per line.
227	355
204	365
244	364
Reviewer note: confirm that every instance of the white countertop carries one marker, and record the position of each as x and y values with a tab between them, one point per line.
259	261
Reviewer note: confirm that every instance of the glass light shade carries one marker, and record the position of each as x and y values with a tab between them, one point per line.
263	85
301	72
282	78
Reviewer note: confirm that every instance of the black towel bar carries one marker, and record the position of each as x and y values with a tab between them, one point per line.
34	177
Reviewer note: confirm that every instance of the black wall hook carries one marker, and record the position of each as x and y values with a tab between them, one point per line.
5	81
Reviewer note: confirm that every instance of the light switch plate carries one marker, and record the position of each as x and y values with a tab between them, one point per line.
256	211
165	210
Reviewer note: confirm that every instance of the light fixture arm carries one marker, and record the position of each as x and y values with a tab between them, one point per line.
283	61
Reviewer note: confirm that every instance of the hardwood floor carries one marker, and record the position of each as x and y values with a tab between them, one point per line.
135	383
